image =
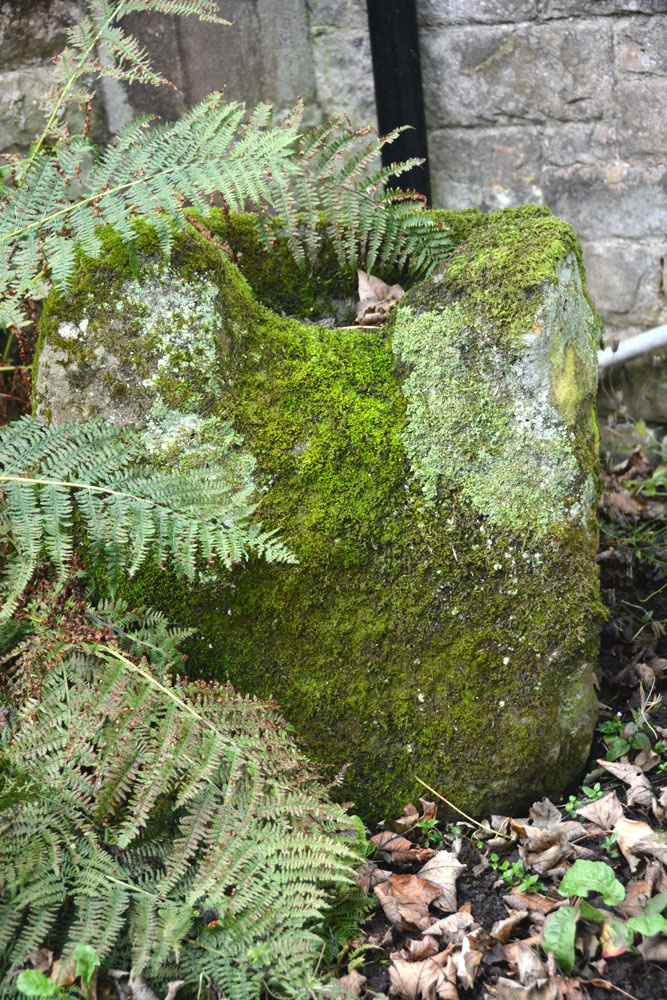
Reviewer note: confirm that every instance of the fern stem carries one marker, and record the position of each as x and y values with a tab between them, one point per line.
77	486
75	74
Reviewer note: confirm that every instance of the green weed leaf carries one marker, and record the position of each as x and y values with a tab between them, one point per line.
648	924
35	984
87	960
558	936
592	876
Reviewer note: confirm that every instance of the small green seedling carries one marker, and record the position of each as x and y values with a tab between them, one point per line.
515	875
608	845
620	737
593	792
431	833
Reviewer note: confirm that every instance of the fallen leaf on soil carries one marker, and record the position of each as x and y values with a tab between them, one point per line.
509	989
452	929
353	982
526	961
604	812
443	870
369	875
544	813
539	838
434	977
502	929
654	949
623	500
467	960
548	859
405	822
41	959
535	902
421	949
399	849
655	846
636	898
375	298
430	809
656	878
628	833
405	899
639	791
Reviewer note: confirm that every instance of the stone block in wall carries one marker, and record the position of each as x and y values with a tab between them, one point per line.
445	12
32	30
600	8
627	278
566	144
343	69
641	45
609	200
480	75
349	14
488	168
22	117
263	55
642	116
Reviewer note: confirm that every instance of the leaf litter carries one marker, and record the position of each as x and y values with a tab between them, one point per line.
569	902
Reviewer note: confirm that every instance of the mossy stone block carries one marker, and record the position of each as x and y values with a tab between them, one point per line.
436	478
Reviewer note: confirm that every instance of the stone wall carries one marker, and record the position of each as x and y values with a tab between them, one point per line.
558	102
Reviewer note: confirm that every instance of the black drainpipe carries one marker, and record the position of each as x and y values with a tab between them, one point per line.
398	86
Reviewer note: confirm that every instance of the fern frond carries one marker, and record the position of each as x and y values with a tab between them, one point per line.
130	511
171	801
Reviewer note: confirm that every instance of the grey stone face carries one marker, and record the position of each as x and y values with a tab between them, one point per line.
437	13
33	30
482	75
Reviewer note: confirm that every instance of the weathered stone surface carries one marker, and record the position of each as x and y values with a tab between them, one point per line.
641	115
614	200
641	45
480	75
628	277
22	116
33	30
439	13
490	168
601	8
436	479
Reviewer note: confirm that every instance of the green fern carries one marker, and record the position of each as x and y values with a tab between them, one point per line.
171	825
159	171
93	474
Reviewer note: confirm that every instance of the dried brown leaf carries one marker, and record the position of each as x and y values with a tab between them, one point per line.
525	960
535	902
452	929
434	977
604	812
544	813
421	949
353	982
548	859
368	875
430	809
654	949
375	298
41	959
509	989
468	959
405	900
399	849
502	929
636	898
443	870
639	791
628	833
405	822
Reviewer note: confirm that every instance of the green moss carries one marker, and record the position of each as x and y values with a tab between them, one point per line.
439	607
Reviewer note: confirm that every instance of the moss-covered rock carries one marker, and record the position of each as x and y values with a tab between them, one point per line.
436	479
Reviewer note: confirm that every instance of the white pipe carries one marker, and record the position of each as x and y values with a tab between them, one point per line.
633	347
